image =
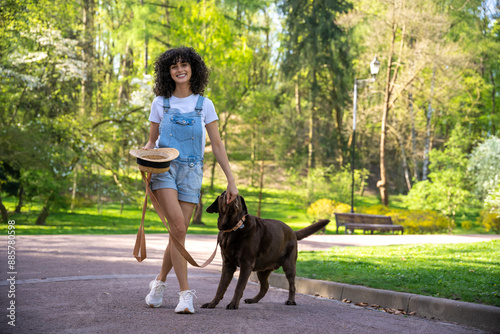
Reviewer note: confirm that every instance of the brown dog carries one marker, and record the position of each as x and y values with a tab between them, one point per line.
254	244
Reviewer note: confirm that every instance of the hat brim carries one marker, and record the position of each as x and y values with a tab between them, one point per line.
156	155
155	160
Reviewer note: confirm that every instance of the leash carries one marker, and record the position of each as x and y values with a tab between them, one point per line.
140	242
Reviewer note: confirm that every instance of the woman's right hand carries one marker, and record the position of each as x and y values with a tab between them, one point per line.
149	146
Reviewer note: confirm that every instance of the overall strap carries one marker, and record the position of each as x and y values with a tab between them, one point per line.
166	104
199	104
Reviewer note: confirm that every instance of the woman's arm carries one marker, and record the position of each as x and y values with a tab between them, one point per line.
221	156
154	132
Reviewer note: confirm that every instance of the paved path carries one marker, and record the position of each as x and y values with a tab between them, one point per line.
92	284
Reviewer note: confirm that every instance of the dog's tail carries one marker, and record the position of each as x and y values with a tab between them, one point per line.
313	228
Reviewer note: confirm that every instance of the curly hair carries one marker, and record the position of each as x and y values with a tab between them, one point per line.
164	85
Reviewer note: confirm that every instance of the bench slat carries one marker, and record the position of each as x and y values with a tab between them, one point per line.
365	222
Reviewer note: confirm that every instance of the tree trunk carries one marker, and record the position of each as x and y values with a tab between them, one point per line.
399	139
261	186
145	44
20	201
310	162
413	137
222	131
99	192
212	173
253	154
425	170
338	135
297	98
42	216
405	168
126	65
493	103
198	212
3	211
73	191
87	55
122	193
382	183
310	143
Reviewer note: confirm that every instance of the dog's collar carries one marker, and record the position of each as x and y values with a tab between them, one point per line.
239	225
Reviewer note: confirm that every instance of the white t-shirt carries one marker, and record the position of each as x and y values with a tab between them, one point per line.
185	105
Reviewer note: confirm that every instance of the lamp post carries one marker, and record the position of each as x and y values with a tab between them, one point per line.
374	68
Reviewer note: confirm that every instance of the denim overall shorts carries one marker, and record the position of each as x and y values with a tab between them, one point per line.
184	132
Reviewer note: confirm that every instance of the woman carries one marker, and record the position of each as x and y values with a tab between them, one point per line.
179	116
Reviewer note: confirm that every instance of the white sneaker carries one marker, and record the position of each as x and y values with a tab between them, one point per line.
186	302
155	296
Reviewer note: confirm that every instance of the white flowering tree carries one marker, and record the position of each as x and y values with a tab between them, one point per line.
40	67
484	167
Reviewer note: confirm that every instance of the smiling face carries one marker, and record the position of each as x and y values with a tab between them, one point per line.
181	72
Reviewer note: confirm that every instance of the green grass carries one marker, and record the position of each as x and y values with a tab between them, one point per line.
468	272
88	220
276	204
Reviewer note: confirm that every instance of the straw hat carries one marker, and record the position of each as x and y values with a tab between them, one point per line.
156	160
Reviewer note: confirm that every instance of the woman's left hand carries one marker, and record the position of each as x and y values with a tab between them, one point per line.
232	192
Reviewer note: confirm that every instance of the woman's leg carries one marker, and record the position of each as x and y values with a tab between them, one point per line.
178	215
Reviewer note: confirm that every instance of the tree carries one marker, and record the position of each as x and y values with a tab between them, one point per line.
316	52
484	167
446	190
415	43
40	72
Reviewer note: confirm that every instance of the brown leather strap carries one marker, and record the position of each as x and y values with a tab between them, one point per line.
141	245
140	241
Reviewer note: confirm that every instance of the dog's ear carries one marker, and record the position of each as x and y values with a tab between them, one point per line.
214	207
245	210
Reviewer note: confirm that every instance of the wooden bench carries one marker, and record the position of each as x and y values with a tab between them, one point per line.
358	221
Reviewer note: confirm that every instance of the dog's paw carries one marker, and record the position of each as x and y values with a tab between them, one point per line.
232	306
290	302
250	301
208	305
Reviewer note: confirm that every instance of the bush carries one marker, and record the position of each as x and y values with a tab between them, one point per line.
379	210
342	208
426	221
491	221
325	209
414	221
468	225
446	188
491	215
321	209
